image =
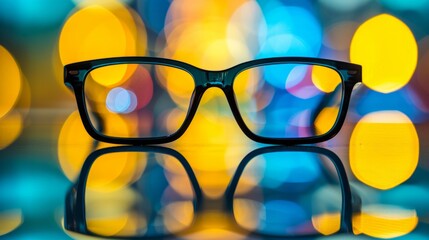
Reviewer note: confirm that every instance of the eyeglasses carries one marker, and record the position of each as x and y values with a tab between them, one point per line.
145	100
260	200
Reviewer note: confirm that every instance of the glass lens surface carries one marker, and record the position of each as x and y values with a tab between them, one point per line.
290	100
289	194
137	100
138	194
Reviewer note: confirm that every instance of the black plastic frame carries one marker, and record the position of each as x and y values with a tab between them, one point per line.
75	219
75	74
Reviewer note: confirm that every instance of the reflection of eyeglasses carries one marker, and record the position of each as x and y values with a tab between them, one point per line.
156	194
145	100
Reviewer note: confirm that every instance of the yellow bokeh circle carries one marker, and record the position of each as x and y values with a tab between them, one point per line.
387	50
325	79
100	31
384	149
10	84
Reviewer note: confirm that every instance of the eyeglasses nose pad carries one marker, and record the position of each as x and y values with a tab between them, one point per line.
215	79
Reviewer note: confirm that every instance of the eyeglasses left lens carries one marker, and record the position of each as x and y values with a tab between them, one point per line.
137	100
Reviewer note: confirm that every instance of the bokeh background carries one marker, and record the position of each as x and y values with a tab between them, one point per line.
383	144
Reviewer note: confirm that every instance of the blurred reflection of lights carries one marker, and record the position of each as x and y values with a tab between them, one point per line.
10	128
115	30
10	85
326	216
408	196
247	212
327	223
74	145
120	100
177	178
344	6
286	214
213	233
111	214
178	215
384	221
281	168
387	51
116	170
339	36
213	135
384	149
10	220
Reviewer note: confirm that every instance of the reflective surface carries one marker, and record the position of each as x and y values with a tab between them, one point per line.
275	192
383	145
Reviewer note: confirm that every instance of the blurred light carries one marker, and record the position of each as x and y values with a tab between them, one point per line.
112	75
114	31
85	3
179	84
325	79
404	100
344	6
384	221
10	128
326	119
420	83
36	13
246	24
120	100
10	84
339	36
291	31
142	84
153	13
203	35
384	149
10	220
387	51
415	5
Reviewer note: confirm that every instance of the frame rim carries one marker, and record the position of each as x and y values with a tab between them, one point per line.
75	74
